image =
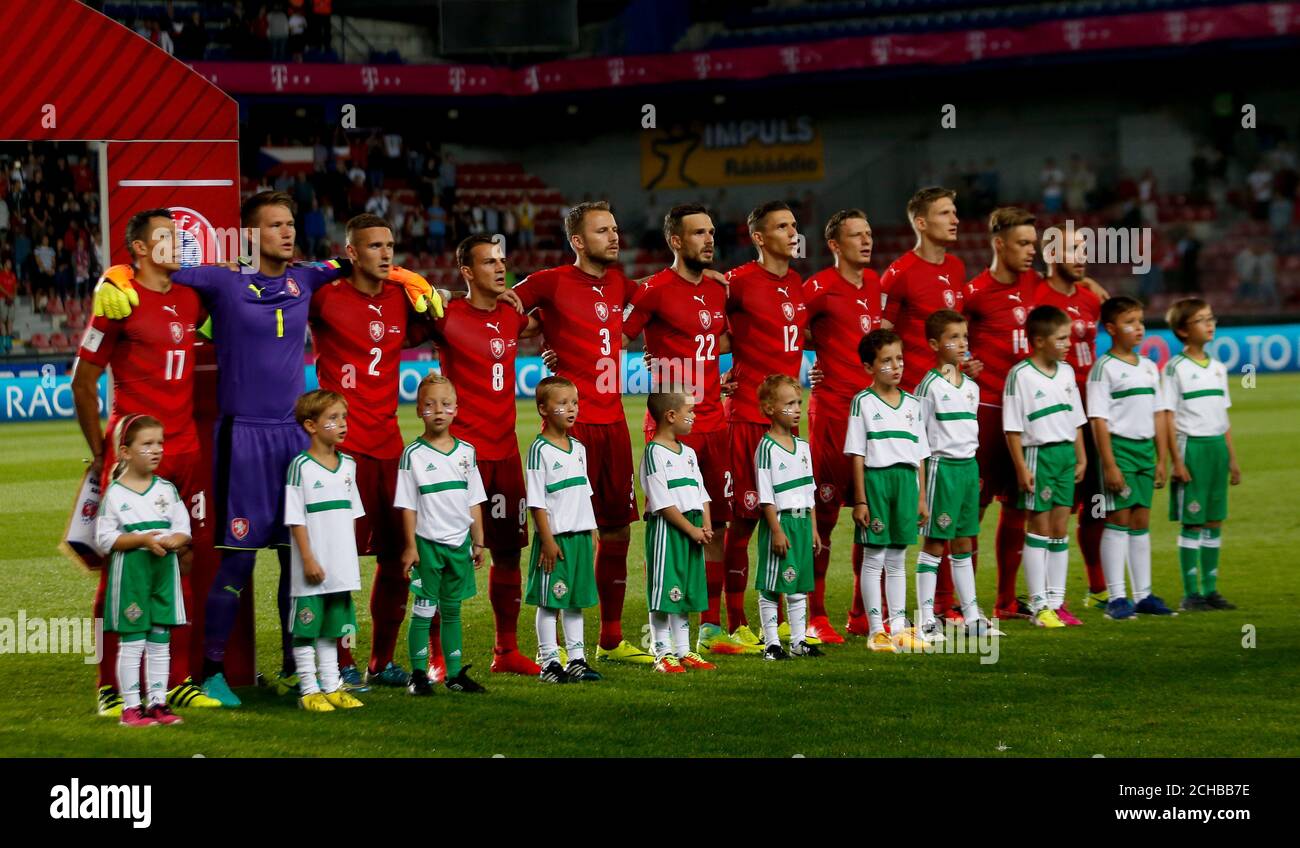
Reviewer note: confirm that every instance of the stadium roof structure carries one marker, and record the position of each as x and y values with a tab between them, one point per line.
72	74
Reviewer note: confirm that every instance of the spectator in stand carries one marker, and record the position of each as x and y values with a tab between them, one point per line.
297	30
1052	181
303	191
1189	258
375	159
45	264
491	220
1256	267
476	224
527	223
192	39
1148	192
1260	183
510	227
311	235
277	32
4	215
447	181
318	25
81	267
23	256
417	230
1079	183
358	196
378	204
64	280
987	186
161	37
437	228
8	294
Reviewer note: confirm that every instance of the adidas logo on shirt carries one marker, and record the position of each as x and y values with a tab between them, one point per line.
782	467
555	466
319	485
945	397
429	467
877	417
1038	394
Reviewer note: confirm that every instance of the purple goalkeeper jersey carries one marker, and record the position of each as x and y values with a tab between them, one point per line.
260	332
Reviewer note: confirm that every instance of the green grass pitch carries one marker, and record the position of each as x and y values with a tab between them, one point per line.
1213	684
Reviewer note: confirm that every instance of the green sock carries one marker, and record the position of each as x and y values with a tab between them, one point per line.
1210	559
451	637
417	636
1189	559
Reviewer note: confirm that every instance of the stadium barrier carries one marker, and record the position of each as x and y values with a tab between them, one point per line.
1269	349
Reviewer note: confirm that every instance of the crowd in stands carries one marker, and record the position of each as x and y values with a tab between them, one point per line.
286	30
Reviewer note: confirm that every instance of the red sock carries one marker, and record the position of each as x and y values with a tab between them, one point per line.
821	564
387	611
1010	545
715	574
107	639
857	610
505	595
1089	536
737	558
435	638
611	584
943	588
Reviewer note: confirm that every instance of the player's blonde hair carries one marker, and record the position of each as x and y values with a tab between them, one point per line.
433	378
124	435
313	404
771	383
549	385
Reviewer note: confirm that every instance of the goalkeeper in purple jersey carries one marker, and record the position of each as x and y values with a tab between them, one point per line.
261	322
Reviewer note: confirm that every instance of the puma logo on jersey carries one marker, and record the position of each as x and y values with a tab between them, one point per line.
1015	297
255	290
944	277
862	303
379	310
817	286
700	298
171	309
783	292
1072	309
600	290
496	326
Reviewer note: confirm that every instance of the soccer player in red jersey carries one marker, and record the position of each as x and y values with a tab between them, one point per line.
997	303
844	304
1066	287
767	317
922	281
150	356
581	310
478	338
683	313
359	326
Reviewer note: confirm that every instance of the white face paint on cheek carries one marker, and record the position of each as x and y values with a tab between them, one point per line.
329	425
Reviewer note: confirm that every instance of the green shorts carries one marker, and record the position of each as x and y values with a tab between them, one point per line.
891	497
1136	459
443	573
144	591
1206	497
572	583
952	492
1052	467
329	616
674	573
791	574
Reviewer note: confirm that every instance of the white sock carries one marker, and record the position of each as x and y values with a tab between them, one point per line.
1114	548
1058	564
767	616
1035	560
548	648
927	576
660	632
327	654
158	664
680	626
304	661
963	582
129	656
896	587
797	610
873	563
573	623
1139	563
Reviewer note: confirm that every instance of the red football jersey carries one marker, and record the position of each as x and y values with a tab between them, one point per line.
996	314
767	316
150	355
476	351
682	322
582	319
839	315
1084	309
914	289
358	341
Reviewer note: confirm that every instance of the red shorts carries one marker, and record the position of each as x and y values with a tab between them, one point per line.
505	515
379	531
1088	490
744	436
714	453
997	473
832	468
609	454
189	474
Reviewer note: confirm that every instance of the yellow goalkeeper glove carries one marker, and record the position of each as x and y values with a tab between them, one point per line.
418	291
114	294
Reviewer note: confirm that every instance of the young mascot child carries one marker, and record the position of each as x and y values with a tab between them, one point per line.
561	569
1042	415
1122	398
439	491
677	528
143	523
787	535
1194	404
321	506
887	440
